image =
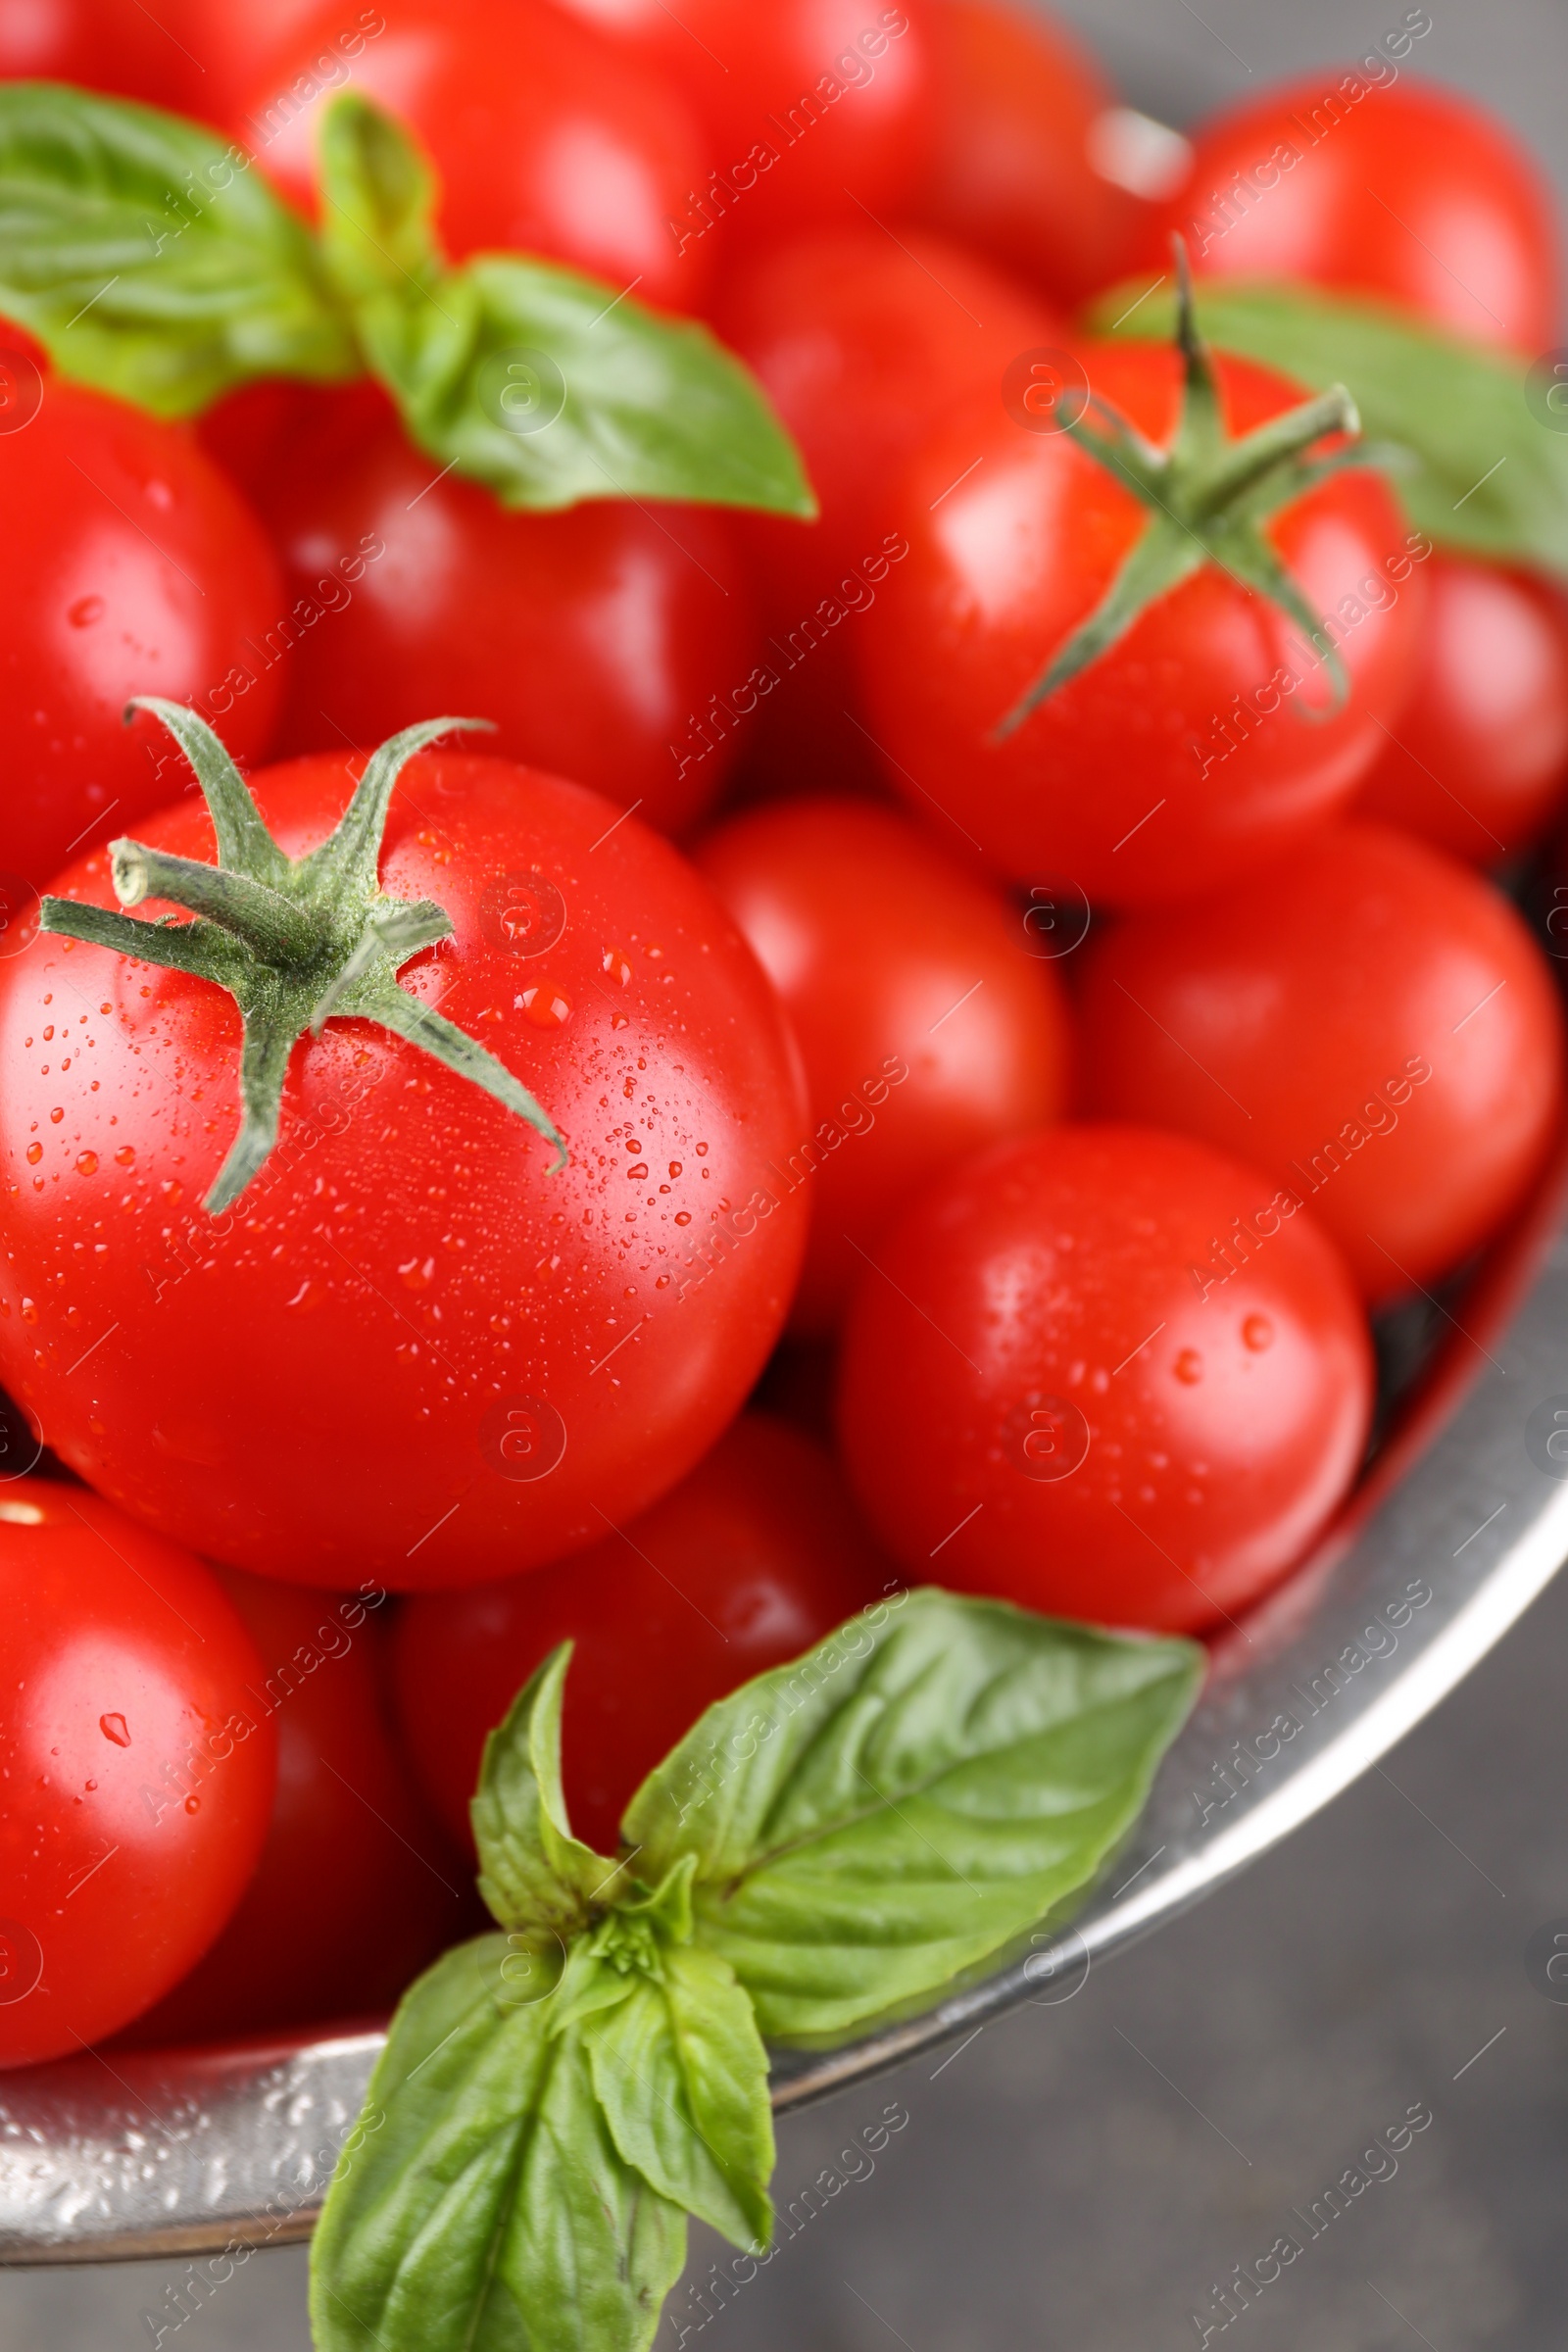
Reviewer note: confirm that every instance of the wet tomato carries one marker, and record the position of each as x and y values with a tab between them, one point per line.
134	567
1036	1400
138	1770
414	1348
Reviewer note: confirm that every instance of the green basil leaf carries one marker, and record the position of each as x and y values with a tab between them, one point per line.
482	2205
536	1877
1489	478
681	2075
908	1798
547	385
151	257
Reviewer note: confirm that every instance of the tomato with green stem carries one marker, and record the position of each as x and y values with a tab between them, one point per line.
137	1767
1369	1022
334	1283
756	1555
1038	1401
1145	638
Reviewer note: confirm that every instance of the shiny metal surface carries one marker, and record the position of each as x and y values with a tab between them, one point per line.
1461	1521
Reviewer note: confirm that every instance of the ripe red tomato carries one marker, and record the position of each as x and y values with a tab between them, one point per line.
356	1889
928	1022
1369	1022
231	41
865	344
111	45
545	139
1414	195
756	1556
133	568
1182	756
1019	107
1038	1401
590	637
411	1350
138	1769
1479	762
813	110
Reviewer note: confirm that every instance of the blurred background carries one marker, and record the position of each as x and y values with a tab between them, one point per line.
1089	2175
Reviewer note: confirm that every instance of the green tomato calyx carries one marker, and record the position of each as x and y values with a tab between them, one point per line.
296	942
1209	497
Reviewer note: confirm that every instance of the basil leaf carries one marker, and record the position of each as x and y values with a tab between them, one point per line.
482	2205
1490	479
535	1875
902	1802
547	385
150	257
681	2076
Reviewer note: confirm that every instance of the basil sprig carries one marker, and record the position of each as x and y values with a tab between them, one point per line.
834	1840
154	261
1489	478
151	258
546	385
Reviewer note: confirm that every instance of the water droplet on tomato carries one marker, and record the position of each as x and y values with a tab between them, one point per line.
125	1156
86	1163
616	966
1188	1368
86	611
193	1804
1257	1332
34	1155
29	1313
113	1727
56	1116
546	1006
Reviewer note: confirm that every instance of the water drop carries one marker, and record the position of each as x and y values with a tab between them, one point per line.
1188	1368
86	611
1257	1332
113	1727
86	1163
34	1155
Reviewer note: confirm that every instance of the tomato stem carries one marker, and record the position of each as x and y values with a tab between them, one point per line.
296	942
1207	497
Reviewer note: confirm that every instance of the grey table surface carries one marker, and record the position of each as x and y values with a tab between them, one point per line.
1089	2175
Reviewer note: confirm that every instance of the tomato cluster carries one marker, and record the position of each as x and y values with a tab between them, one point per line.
1020	967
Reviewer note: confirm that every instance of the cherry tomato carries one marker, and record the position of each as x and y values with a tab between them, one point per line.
929	1023
231	42
356	1889
1411	194
1206	731
133	568
1369	1022
137	1767
1021	110
813	110
411	1350
111	45
865	344
1038	1401
756	1556
1478	762
546	140
591	638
